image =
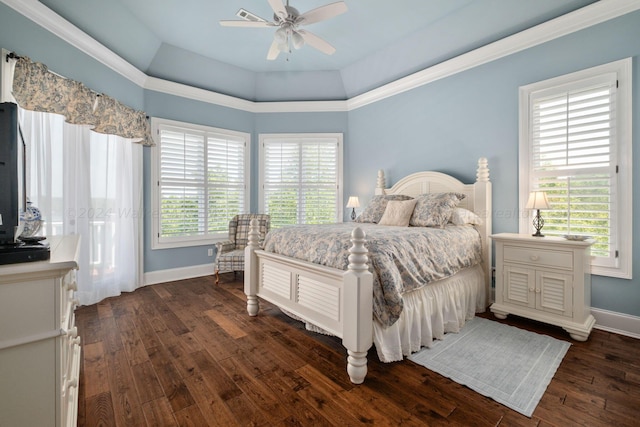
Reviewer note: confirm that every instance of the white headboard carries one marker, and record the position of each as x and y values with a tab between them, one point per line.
478	200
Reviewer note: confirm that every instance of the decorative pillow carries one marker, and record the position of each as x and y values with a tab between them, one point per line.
398	212
462	216
376	207
434	209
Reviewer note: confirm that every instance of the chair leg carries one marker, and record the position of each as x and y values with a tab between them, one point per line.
217	276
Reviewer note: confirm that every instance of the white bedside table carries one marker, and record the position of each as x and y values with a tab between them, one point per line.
546	279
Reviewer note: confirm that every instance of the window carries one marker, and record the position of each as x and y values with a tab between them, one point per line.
201	175
575	144
301	178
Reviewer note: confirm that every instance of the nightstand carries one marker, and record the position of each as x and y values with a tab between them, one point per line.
546	279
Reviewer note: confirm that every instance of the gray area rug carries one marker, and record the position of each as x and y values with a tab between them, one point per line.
510	365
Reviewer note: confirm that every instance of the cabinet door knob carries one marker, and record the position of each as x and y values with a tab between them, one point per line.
537	291
531	289
534	257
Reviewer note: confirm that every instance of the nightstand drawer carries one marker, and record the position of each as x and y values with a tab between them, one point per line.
542	257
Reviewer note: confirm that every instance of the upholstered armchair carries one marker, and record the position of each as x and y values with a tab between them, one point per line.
230	253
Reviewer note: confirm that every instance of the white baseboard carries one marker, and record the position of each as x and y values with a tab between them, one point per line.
618	323
172	274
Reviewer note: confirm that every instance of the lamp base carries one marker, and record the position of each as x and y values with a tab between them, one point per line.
353	214
538	223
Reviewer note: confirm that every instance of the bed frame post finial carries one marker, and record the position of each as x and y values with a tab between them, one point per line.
482	175
380	183
358	258
357	308
251	268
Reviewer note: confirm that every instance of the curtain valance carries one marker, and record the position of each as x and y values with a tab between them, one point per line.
38	89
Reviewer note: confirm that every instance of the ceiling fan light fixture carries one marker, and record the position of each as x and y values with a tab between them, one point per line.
297	40
280	35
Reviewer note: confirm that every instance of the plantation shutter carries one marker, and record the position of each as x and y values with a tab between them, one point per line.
226	186
300	180
201	182
182	179
573	160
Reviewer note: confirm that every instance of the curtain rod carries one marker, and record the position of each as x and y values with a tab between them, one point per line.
12	55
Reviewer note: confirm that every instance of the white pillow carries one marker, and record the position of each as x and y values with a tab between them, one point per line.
398	212
461	216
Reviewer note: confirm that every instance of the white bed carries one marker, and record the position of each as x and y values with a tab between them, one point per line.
340	302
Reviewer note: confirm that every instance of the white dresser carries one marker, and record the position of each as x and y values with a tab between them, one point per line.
39	343
546	279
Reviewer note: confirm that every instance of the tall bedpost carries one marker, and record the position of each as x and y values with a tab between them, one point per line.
380	184
251	268
357	335
482	207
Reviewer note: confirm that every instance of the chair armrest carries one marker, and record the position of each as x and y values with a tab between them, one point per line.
225	246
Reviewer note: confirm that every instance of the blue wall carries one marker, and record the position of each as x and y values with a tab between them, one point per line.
446	125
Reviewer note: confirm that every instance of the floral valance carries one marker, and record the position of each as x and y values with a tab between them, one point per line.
36	88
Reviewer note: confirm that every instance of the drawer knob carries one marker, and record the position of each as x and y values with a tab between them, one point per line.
75	340
534	257
73	332
73	285
73	383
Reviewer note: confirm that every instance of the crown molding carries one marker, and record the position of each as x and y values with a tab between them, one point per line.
197	94
585	17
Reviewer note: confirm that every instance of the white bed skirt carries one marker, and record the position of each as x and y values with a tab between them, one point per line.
430	312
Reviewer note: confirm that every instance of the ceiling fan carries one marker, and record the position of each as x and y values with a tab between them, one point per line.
290	20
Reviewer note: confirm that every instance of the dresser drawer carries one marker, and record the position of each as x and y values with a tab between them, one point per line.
542	257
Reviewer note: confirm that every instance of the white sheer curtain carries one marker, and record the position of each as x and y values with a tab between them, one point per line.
88	184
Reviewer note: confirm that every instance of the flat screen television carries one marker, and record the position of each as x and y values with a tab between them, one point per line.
13	197
11	173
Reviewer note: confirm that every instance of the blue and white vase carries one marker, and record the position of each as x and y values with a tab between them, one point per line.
32	220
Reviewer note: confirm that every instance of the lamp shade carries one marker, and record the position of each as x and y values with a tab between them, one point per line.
353	202
538	200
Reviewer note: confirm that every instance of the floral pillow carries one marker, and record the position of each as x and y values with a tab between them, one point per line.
434	209
376	207
461	216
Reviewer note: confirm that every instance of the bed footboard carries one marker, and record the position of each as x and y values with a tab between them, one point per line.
340	302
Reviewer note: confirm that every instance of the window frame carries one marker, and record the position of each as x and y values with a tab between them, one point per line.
158	242
622	211
301	137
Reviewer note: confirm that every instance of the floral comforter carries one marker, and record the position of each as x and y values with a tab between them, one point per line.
402	259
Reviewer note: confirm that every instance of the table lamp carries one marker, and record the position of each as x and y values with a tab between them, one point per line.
353	203
538	200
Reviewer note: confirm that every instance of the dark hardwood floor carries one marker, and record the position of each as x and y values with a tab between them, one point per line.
186	353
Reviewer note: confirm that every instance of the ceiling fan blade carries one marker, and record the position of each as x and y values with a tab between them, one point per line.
274	51
278	8
316	42
323	12
247	24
